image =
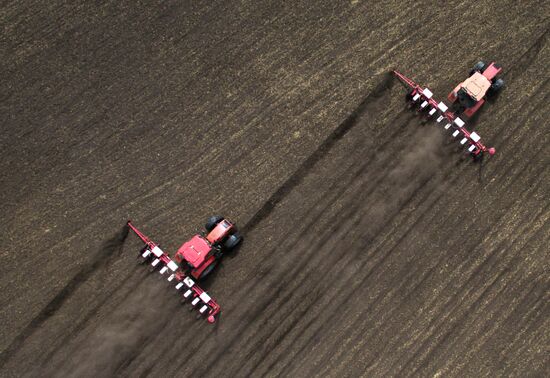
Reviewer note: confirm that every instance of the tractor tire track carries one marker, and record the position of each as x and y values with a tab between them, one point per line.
318	154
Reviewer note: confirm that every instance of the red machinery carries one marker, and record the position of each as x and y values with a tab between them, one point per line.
196	258
423	98
473	91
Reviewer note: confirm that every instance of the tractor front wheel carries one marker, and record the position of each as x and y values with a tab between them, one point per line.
497	85
212	222
208	270
232	241
479	67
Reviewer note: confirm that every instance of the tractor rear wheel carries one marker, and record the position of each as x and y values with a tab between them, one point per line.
232	241
497	85
212	222
478	67
208	270
218	254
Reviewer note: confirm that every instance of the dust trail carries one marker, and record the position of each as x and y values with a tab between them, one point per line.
112	247
100	351
392	183
418	163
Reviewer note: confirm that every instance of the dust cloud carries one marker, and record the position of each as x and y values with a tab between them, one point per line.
418	163
101	350
104	349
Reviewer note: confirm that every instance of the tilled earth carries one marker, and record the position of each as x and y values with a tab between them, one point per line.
373	246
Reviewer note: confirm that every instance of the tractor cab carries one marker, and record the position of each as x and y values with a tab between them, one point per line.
194	251
476	86
472	91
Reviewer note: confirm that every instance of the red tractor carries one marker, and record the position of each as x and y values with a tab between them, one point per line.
194	260
203	251
467	98
471	94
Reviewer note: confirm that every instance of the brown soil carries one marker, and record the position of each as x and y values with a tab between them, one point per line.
373	246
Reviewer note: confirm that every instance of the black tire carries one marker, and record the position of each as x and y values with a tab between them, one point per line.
208	270
218	254
497	85
232	241
478	67
212	222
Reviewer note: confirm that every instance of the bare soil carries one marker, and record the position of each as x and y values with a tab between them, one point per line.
373	246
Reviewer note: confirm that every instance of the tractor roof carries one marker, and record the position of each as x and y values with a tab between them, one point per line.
476	86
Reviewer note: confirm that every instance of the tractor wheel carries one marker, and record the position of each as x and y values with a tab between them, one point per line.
208	270
479	67
212	222
497	85
218	254
232	241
